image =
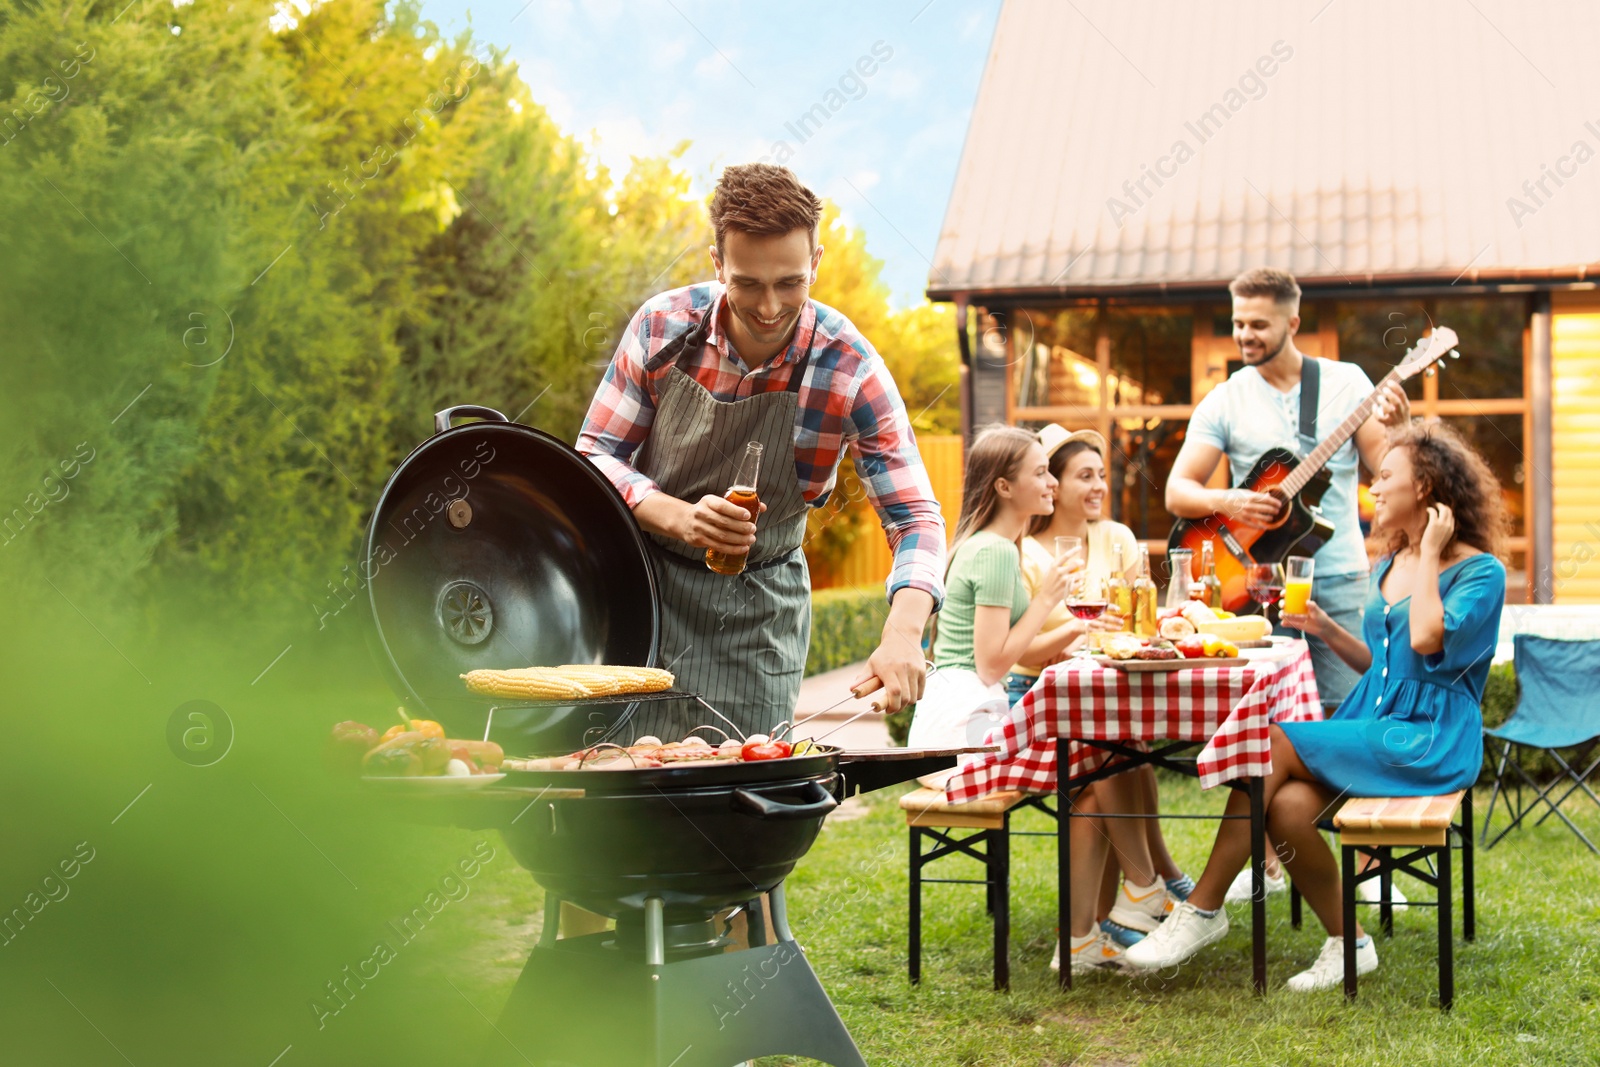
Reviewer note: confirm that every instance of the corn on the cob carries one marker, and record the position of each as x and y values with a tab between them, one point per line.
628	679
522	684
574	680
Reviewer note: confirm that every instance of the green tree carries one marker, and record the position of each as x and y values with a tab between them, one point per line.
917	345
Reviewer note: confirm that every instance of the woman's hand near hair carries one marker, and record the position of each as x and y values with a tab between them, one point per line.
1440	532
1346	645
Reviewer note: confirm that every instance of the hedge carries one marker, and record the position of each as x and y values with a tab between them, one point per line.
846	626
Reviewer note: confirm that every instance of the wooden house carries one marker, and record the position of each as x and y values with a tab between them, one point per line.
1418	163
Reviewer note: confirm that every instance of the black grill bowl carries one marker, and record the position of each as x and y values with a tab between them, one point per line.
699	849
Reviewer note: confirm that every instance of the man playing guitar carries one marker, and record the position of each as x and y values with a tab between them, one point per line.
1258	408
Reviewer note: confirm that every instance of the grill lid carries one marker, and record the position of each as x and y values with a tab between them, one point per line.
497	545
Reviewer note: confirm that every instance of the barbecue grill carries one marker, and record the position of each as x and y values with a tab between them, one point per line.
533	558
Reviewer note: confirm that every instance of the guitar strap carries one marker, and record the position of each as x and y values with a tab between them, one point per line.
1310	375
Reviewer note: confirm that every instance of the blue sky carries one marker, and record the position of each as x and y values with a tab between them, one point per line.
735	79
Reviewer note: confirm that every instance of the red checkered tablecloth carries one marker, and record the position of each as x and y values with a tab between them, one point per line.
1229	708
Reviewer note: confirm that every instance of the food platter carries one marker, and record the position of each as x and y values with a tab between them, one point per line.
1144	666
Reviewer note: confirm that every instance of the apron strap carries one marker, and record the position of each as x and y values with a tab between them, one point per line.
693	339
689	341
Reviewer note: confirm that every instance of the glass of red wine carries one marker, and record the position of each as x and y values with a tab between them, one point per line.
1088	601
1264	582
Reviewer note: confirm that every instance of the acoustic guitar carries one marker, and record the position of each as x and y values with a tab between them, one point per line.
1300	527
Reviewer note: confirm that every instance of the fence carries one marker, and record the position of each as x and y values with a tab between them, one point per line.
869	559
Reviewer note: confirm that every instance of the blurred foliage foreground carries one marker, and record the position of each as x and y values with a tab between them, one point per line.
184	883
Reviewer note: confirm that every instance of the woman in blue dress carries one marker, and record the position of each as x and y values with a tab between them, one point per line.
1412	726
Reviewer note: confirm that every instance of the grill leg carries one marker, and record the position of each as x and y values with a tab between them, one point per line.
552	921
1447	960
1469	911
1348	892
1294	906
780	914
755	924
1000	895
1386	890
655	949
914	920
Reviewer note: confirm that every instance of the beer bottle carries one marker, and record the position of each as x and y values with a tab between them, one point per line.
1208	577
1145	604
1119	592
743	493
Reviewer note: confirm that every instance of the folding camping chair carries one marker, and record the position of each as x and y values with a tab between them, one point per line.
1559	708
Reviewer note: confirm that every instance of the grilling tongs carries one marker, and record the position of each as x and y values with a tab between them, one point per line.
859	690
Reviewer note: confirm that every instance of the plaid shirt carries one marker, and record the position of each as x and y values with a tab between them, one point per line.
847	398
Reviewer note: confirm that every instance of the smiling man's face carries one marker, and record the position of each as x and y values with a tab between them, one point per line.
1261	327
767	279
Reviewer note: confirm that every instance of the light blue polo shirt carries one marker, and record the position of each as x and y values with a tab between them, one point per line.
1246	415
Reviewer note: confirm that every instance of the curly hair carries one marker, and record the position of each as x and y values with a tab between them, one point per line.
1451	472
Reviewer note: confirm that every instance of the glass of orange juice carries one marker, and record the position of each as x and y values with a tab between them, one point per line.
1297	571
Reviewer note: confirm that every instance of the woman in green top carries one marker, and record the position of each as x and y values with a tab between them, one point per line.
988	621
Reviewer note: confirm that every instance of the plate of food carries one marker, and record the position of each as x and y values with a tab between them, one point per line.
1177	652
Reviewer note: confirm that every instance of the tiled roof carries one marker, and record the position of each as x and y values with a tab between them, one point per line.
1350	141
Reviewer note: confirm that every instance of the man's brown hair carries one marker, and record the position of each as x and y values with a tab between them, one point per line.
1268	281
765	200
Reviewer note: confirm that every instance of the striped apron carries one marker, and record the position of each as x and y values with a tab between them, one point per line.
739	641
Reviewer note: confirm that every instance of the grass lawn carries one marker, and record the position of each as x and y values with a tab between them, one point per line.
1528	990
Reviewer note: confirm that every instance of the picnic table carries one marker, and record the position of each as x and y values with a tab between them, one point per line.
1106	715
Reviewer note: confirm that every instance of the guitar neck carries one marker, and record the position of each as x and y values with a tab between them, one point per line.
1320	455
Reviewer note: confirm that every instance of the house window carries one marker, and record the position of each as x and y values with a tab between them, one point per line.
1135	373
1481	394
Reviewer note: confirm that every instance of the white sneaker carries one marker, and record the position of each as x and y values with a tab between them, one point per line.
1142	911
1328	971
1239	891
1099	953
1184	933
1369	891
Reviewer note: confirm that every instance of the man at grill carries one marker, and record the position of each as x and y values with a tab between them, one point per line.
702	371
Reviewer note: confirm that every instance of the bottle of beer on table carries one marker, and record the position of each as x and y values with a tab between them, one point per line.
743	493
1208	577
1118	590
1145	604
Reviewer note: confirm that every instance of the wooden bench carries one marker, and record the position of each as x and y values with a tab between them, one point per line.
930	818
1375	827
